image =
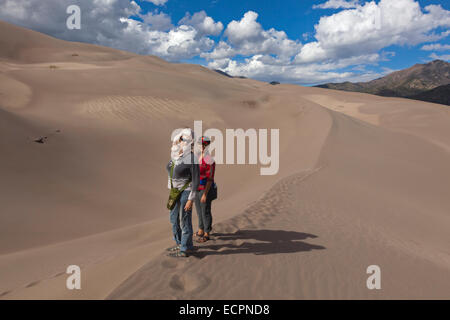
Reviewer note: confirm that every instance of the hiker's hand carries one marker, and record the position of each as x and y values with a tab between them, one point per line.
203	199
188	205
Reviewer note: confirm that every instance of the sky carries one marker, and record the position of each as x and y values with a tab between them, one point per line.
290	41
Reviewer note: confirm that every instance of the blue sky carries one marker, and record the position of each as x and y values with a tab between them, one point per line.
295	41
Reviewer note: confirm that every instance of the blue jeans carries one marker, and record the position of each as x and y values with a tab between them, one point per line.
182	233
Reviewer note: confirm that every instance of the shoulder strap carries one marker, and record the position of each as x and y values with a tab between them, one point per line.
185	186
171	174
189	181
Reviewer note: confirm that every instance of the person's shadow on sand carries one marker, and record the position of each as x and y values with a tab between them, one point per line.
270	242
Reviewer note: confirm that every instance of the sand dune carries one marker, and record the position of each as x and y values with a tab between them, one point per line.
26	46
348	108
363	180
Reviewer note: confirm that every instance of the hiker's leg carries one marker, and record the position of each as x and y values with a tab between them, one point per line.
198	208
175	221
207	216
186	224
202	213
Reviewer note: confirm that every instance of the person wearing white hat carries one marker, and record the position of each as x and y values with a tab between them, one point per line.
183	173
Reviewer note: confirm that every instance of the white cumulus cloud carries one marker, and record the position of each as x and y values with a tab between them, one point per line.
247	37
371	27
181	42
436	47
157	20
202	23
445	57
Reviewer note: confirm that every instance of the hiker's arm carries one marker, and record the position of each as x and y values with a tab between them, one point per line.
208	186
209	182
195	174
168	175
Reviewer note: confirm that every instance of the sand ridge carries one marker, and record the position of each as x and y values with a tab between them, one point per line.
349	108
142	108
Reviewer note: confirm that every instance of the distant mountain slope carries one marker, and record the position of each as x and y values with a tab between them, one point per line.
228	75
223	73
407	83
440	95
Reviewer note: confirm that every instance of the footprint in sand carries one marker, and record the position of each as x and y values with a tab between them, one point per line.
189	282
4	293
176	283
171	264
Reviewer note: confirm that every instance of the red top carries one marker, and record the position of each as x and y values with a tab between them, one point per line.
207	169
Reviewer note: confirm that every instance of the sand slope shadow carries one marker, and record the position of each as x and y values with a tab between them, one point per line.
260	242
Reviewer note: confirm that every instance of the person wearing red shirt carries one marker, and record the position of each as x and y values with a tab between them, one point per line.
207	192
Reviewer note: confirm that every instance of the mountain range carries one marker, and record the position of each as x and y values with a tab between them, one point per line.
427	82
